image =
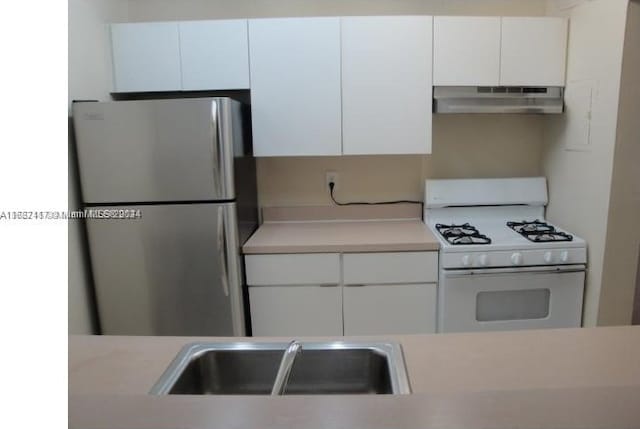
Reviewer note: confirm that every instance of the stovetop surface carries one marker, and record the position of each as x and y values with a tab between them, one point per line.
492	222
501	236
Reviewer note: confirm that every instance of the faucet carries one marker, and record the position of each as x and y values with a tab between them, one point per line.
288	357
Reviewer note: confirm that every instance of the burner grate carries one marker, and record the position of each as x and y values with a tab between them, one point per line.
462	234
539	232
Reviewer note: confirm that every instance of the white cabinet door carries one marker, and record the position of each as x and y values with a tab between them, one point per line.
215	55
466	51
534	51
296	310
390	267
146	57
386	84
295	86
390	309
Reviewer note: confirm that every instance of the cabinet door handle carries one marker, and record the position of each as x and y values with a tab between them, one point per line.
328	285
355	285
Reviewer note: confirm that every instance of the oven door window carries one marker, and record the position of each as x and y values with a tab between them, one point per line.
525	304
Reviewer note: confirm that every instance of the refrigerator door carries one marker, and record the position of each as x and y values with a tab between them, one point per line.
173	271
159	150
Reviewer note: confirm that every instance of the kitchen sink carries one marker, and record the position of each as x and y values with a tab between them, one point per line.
324	368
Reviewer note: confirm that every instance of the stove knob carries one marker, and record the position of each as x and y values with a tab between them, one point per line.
466	260
548	257
516	258
564	256
483	260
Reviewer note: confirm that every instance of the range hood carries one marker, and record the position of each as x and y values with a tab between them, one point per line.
498	99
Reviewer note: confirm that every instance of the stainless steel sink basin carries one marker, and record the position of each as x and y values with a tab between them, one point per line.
242	368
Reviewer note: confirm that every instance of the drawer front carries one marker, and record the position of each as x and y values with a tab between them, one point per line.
293	269
396	267
390	309
278	311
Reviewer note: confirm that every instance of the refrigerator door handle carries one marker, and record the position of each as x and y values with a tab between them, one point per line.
222	251
222	145
233	268
215	146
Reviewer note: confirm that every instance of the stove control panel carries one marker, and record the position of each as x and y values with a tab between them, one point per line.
509	258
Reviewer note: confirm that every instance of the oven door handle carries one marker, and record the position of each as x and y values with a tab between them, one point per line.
559	269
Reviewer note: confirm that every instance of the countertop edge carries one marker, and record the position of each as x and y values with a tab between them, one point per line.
595	408
396	247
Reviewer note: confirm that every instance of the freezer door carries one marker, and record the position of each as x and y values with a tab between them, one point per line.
174	271
158	150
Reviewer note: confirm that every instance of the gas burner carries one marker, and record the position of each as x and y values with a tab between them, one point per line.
525	227
544	237
456	230
470	239
539	232
462	234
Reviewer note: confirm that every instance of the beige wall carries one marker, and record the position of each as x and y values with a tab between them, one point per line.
89	46
89	78
623	234
580	181
156	10
463	146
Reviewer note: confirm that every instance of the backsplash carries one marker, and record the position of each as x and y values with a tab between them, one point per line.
464	146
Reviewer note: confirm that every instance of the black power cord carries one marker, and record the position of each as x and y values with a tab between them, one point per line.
365	203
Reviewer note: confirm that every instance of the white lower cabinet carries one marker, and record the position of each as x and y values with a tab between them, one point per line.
302	310
390	309
295	294
329	294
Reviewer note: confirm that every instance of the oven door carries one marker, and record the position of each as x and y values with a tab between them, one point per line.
505	299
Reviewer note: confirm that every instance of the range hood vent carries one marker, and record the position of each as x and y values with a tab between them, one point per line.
498	99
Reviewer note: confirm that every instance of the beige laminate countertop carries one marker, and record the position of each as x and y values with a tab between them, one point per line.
340	229
334	236
553	378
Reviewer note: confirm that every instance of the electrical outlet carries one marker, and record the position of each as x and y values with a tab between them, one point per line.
331	177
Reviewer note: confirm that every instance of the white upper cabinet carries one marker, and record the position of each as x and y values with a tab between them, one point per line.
386	84
533	51
466	51
146	57
295	86
175	56
492	51
214	54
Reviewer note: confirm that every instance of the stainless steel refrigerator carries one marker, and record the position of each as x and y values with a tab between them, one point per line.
173	185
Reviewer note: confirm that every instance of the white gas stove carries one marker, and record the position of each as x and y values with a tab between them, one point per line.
502	266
